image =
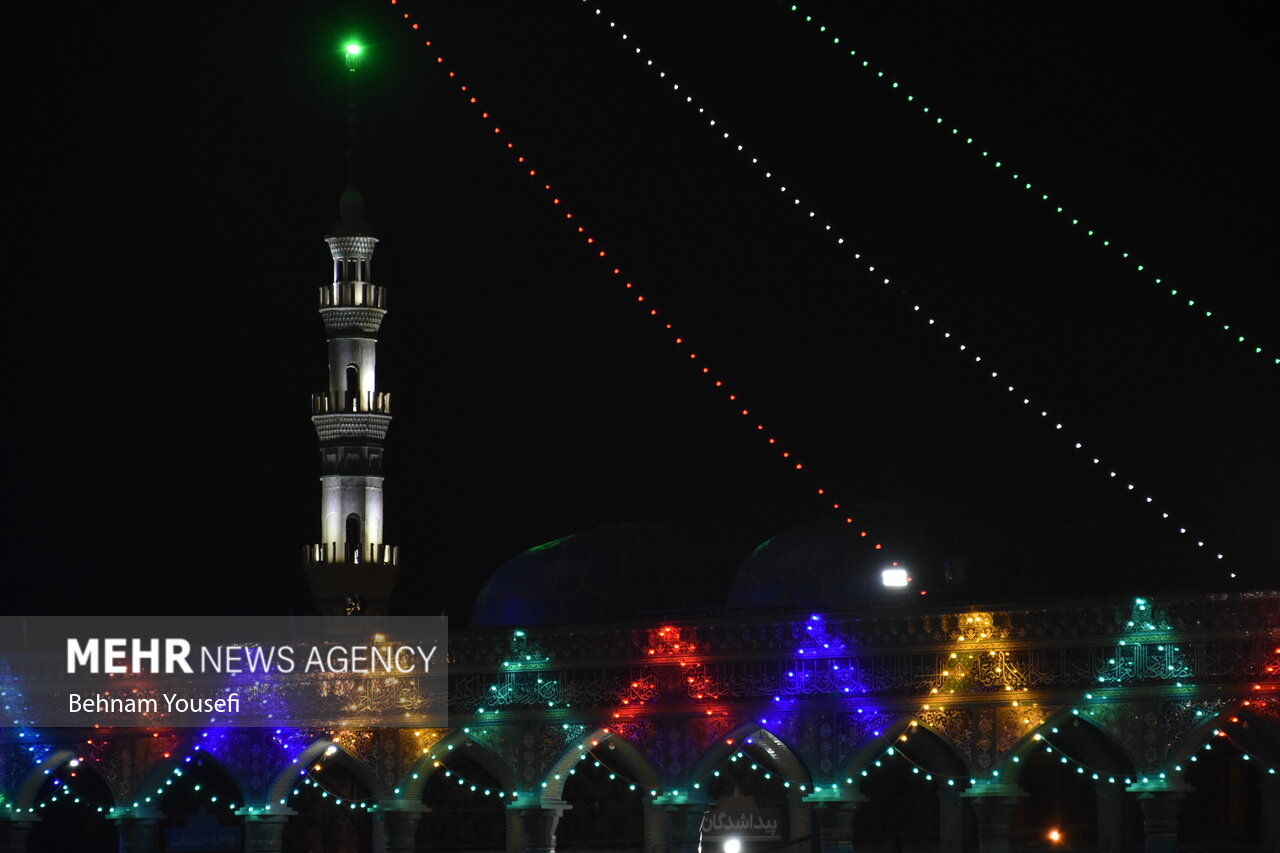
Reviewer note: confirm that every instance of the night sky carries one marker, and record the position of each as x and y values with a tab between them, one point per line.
176	173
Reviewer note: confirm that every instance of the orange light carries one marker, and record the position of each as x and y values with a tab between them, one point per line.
1055	836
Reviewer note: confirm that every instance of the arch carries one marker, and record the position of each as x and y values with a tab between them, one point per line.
1194	740
25	798
353	536
351	388
282	785
1103	740
160	772
414	782
646	774
890	735
786	762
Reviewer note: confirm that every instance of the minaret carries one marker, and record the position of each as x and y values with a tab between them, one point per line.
351	569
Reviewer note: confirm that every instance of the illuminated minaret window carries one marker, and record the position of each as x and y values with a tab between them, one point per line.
351	564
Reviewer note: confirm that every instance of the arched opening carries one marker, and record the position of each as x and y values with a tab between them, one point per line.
1075	778
749	798
1226	771
607	800
913	792
332	814
354	538
199	804
467	802
72	805
351	393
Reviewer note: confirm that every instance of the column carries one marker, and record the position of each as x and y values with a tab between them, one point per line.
994	803
1160	801
139	833
1110	799
950	821
400	819
677	822
831	814
14	832
537	825
1270	813
264	833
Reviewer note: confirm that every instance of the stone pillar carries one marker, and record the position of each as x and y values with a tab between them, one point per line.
537	825
14	833
1270	813
264	833
679	830
1160	802
1111	824
950	821
400	819
994	802
139	833
831	814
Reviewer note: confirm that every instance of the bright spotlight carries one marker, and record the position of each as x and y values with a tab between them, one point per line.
733	845
1055	836
895	577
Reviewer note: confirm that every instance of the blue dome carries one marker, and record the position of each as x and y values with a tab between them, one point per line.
607	574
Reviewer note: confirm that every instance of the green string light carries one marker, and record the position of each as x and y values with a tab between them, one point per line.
1257	350
994	375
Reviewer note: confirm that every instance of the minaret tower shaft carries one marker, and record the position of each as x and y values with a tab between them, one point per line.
352	568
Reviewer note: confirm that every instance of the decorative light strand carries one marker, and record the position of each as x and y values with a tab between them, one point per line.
894	751
680	339
1245	755
962	349
1081	768
585	752
1033	191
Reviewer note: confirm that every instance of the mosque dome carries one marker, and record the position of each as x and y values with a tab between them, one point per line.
828	561
616	572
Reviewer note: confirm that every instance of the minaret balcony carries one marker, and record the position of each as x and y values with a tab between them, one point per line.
352	294
351	427
373	402
339	321
328	553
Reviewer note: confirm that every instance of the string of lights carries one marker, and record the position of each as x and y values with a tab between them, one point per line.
952	338
916	769
1033	191
1245	755
680	339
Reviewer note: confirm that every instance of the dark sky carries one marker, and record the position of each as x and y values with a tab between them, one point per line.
175	173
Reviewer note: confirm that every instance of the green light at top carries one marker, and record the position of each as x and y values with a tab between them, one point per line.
354	49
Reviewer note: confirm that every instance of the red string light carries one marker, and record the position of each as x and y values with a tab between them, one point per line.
860	264
557	200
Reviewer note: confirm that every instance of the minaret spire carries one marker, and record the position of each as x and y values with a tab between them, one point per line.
351	568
